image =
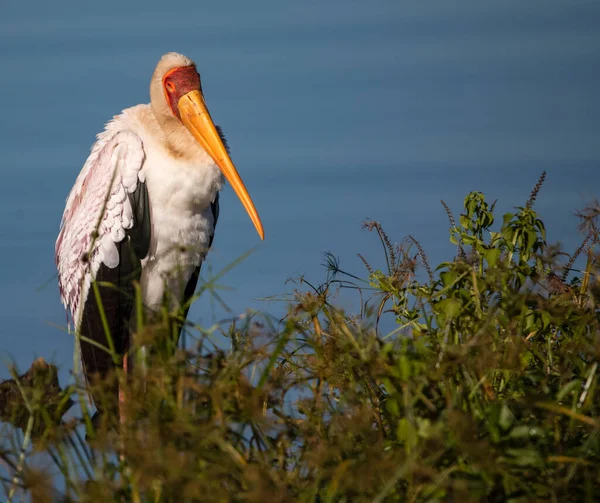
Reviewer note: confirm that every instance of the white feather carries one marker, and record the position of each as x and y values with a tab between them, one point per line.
88	209
180	193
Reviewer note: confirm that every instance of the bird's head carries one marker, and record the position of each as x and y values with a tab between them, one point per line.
177	99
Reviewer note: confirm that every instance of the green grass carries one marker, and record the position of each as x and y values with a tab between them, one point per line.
486	390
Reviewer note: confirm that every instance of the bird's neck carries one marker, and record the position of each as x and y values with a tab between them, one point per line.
177	140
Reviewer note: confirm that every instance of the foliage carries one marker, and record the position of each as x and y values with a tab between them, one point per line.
486	390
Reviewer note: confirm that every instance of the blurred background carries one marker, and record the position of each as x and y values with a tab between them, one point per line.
336	112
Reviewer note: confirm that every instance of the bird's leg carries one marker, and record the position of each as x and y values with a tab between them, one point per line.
122	415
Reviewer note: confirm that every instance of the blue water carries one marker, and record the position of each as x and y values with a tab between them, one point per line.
336	112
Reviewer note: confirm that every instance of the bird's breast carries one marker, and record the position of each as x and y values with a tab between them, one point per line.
181	217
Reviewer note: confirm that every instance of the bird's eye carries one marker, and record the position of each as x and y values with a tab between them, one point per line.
170	87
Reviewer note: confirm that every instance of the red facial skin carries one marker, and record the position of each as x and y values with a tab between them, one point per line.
178	82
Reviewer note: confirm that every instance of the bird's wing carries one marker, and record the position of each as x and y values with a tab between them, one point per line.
104	233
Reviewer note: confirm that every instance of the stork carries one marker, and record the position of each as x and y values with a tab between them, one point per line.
143	208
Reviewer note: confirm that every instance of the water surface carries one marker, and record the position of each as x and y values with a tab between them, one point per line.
336	112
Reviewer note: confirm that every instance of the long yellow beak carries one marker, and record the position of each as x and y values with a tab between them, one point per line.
196	118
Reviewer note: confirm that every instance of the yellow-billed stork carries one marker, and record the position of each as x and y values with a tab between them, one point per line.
144	208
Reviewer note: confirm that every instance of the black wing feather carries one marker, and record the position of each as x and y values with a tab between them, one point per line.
117	293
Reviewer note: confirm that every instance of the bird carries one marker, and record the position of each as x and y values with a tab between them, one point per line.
143	210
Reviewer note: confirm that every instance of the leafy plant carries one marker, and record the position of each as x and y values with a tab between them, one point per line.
486	390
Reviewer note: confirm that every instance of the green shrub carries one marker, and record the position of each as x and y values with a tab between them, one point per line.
486	390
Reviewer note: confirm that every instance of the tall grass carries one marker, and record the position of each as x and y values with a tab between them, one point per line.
486	390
